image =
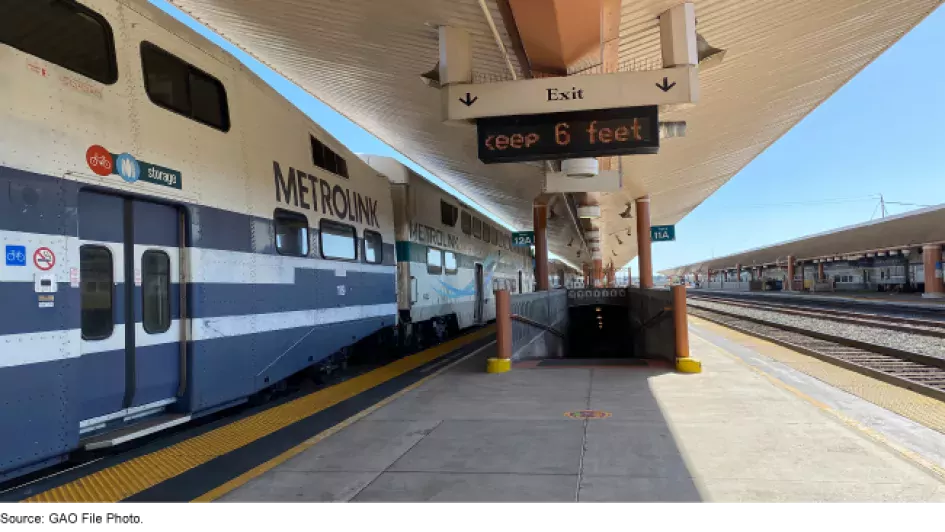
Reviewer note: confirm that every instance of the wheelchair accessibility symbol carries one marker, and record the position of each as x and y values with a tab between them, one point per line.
16	255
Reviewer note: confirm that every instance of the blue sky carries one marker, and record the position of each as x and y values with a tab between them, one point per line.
882	133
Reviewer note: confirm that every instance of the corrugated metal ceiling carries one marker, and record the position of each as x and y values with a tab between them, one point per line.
364	58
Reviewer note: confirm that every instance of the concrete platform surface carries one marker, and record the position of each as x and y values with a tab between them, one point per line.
736	432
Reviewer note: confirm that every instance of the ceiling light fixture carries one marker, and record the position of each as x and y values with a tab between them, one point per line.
709	56
432	77
626	213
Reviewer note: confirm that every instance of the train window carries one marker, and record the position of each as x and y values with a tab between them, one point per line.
495	236
326	159
476	227
434	260
486	232
156	291
373	247
65	33
338	240
466	222
95	272
449	262
180	87
448	214
291	233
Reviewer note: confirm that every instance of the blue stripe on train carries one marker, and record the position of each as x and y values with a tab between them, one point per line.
313	289
44	402
46	205
22	314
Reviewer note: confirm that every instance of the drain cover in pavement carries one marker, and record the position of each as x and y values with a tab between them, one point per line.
587	414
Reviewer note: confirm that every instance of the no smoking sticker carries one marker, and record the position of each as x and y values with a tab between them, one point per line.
44	259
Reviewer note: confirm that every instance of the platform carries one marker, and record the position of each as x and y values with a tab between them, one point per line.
749	428
879	298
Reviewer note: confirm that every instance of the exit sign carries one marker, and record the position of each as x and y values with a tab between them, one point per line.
523	238
662	233
578	134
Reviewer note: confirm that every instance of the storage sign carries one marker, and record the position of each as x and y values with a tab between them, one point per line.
104	163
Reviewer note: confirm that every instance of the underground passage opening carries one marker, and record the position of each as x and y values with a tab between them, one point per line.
600	331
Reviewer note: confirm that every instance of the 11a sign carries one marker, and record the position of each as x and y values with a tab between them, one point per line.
523	239
662	233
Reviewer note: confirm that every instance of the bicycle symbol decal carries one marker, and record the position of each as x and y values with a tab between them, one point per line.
16	255
99	160
44	259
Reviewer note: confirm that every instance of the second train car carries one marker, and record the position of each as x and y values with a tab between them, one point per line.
450	260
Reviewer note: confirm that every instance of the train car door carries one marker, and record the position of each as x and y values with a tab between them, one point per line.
480	299
129	262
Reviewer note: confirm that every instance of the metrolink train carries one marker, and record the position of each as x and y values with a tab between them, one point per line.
178	238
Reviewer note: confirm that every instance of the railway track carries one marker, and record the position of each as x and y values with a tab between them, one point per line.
866	306
911	325
920	373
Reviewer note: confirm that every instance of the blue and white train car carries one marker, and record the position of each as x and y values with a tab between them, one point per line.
176	235
449	259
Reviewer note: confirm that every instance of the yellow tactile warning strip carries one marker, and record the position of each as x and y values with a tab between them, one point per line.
919	408
908	454
231	485
123	480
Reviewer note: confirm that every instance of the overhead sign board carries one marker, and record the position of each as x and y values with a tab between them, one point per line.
606	132
676	85
662	233
522	239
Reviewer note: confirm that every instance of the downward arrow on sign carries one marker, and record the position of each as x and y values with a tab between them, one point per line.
666	85
470	99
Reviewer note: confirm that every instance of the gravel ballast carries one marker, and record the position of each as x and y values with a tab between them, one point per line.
923	345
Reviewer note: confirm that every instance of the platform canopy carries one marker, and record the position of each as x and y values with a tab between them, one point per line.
365	58
903	232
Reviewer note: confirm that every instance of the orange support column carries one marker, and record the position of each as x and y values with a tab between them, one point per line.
932	262
540	216
820	271
644	256
503	333
684	364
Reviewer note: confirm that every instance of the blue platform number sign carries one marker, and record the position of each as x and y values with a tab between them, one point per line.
16	255
662	233
522	239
